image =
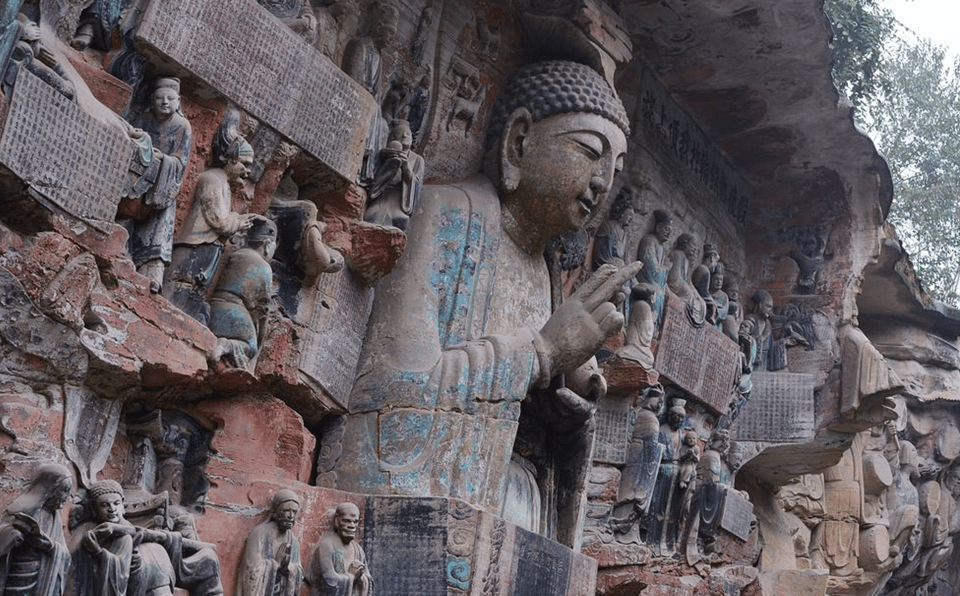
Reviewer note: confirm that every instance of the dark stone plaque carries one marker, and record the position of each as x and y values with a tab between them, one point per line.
405	541
286	83
62	153
702	361
542	565
737	517
335	330
780	409
614	427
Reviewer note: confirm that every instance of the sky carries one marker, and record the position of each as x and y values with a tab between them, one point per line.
936	19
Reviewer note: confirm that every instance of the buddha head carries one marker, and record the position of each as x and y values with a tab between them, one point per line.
557	138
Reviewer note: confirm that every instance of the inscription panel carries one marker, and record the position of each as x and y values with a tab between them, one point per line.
542	567
286	83
331	342
737	517
780	409
613	420
702	361
63	153
406	542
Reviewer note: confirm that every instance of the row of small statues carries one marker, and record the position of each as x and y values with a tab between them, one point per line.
667	482
109	556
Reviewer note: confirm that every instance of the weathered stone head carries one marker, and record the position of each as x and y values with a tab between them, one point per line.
346	519
29	29
106	499
284	509
231	151
556	139
622	208
761	304
51	486
262	237
717	273
662	225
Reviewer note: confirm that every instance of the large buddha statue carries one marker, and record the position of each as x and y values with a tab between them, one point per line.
463	346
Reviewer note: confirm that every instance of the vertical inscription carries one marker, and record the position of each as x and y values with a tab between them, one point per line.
780	410
613	419
62	152
407	538
737	517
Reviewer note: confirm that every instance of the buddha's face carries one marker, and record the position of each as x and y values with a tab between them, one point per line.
565	167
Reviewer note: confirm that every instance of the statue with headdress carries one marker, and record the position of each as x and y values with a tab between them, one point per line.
165	139
210	222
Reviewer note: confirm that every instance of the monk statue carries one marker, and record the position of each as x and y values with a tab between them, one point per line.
338	566
102	549
652	252
210	222
166	137
34	559
396	187
609	244
462	329
242	298
271	558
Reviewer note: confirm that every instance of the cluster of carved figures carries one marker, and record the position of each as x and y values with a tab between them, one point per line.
527	380
710	295
123	542
185	266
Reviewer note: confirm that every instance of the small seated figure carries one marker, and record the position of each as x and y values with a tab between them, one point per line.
151	239
609	244
679	279
700	278
396	186
271	557
242	298
29	53
102	550
638	334
721	301
210	222
652	252
34	558
338	566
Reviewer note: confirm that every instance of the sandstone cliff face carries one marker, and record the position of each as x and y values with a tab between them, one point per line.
814	452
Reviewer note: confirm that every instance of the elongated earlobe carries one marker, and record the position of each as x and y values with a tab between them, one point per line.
511	148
